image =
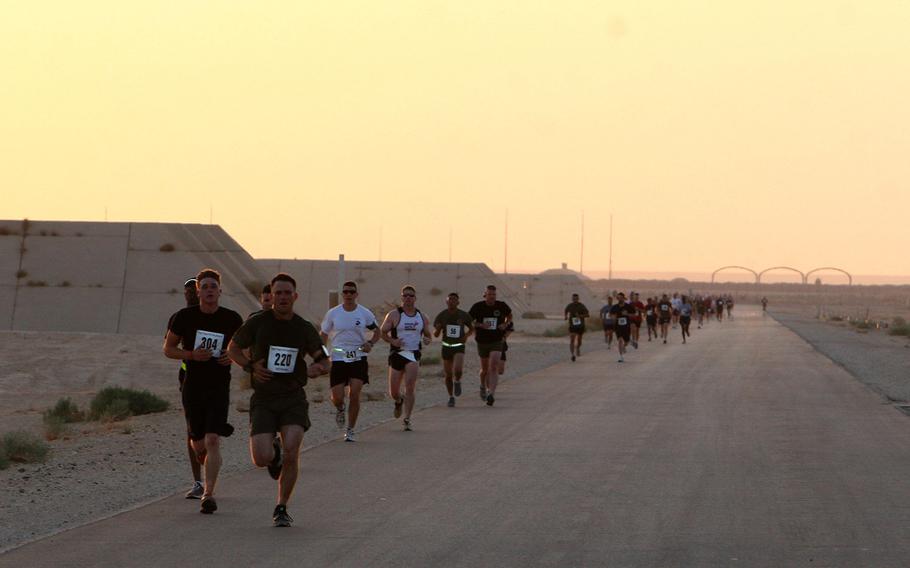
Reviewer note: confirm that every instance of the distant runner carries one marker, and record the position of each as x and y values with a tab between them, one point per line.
347	325
607	320
651	318
278	340
685	317
675	302
622	313
719	308
403	328
764	305
636	318
491	319
456	327
664	314
198	335
730	307
576	313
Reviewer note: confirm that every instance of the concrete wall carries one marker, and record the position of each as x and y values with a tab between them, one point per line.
549	293
113	277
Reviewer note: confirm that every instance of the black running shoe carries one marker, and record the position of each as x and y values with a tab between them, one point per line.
398	404
275	467
457	388
208	505
490	399
280	517
407	424
451	402
573	358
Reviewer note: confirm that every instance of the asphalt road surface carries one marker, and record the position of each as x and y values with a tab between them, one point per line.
743	448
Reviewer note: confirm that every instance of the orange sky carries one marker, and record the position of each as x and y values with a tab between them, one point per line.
759	133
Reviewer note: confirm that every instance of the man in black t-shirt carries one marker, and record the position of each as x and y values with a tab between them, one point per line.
622	313
198	335
575	314
491	318
196	491
664	315
277	341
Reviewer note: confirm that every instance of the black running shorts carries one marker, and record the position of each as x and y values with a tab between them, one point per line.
342	373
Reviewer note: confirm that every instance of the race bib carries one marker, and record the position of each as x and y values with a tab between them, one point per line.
576	322
347	355
453	331
209	340
282	359
491	322
623	321
650	311
664	308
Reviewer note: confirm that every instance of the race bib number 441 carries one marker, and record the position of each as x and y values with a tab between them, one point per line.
209	340
282	359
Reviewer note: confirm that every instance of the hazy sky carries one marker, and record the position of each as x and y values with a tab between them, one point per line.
757	133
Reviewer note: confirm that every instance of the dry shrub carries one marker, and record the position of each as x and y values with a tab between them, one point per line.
24	447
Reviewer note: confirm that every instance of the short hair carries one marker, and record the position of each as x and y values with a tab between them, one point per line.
408	287
267	289
575	294
190	282
350	283
491	287
455	294
208	273
284	277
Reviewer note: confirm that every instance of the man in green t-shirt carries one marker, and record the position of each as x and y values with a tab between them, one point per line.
456	326
277	340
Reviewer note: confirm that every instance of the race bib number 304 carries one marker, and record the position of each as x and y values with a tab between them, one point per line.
282	359
209	340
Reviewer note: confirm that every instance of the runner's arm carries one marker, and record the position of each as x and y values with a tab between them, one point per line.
173	351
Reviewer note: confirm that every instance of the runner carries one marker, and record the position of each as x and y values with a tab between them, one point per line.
719	308
636	318
403	328
651	318
278	340
576	313
664	311
607	320
198	335
685	317
730	307
458	327
491	319
764	305
346	325
701	309
622	313
196	491
675	302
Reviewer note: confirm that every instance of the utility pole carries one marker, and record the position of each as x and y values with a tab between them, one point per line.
380	243
505	261
581	259
450	243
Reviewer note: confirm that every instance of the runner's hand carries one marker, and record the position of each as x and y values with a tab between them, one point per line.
366	347
224	359
201	355
427	339
315	370
395	343
260	373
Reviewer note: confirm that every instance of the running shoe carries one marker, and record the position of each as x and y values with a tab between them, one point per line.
208	505
398	404
280	517
665	341
349	435
451	402
490	399
620	359
635	344
196	491
339	417
407	424
457	388
483	393
275	467
573	358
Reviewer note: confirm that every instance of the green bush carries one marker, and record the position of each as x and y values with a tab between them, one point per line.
66	410
835	318
54	427
902	330
24	447
116	403
898	322
4	461
533	316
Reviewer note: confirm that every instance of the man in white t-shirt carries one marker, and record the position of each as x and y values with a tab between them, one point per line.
347	326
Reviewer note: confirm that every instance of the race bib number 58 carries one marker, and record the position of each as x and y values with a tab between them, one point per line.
282	359
453	331
209	340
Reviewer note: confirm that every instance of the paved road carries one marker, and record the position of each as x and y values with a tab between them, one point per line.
743	448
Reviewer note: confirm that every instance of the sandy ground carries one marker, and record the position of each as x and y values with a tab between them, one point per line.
879	360
101	469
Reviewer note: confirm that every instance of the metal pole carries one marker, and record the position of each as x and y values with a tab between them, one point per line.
610	273
581	260
505	261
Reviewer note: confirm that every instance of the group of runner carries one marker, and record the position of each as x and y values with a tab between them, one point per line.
622	318
272	345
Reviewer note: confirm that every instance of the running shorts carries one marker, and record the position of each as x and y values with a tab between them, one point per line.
624	332
685	320
665	320
342	373
270	412
448	353
652	320
579	329
398	362
484	349
608	325
207	412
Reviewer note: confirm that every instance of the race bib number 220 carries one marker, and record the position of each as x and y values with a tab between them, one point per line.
282	359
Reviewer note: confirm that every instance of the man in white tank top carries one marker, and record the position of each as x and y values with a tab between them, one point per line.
406	329
347	325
